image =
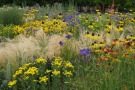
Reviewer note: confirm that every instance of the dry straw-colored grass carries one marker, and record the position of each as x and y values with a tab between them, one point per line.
53	47
20	47
46	46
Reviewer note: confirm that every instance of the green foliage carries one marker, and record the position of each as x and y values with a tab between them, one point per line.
44	75
7	31
3	80
11	16
123	3
8	77
2	75
67	51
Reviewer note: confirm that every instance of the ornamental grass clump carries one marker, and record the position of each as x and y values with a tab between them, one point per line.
43	74
11	16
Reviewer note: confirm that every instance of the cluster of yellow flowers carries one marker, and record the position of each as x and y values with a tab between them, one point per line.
30	15
68	73
68	64
55	72
11	83
17	73
56	26
43	79
31	71
40	60
92	37
30	28
21	69
58	62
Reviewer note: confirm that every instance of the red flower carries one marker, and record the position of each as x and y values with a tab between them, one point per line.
99	58
112	45
134	57
126	53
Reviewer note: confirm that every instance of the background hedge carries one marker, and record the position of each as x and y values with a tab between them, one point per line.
127	4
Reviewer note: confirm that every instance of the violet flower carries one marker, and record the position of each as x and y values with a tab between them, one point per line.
86	52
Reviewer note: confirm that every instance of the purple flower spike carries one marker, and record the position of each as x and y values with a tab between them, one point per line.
86	52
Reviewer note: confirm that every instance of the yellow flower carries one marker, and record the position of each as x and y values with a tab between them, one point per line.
17	73
98	13
101	45
32	71
26	65
43	79
46	16
90	26
69	10
115	60
99	51
26	78
34	80
87	35
94	46
68	64
130	10
47	71
56	72
97	10
11	83
40	60
69	33
68	73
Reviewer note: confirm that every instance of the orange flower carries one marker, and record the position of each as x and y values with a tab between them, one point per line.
112	45
125	88
126	53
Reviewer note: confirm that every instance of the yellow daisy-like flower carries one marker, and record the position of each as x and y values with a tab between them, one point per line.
59	63
26	78
43	79
68	73
17	73
48	71
97	10
90	26
34	80
46	16
87	35
32	71
130	10
56	72
11	83
68	64
94	46
40	60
